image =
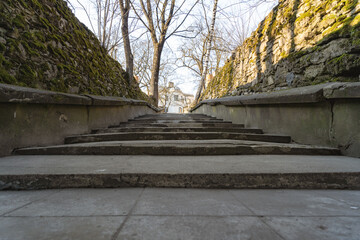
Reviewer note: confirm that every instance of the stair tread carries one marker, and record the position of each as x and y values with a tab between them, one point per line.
179	129
180	124
195	142
102	164
176	136
245	171
181	147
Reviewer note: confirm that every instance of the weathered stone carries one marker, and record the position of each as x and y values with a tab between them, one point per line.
342	90
313	71
332	180
317	43
125	136
2	40
48	48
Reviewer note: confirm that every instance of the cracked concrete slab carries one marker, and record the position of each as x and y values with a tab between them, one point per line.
182	214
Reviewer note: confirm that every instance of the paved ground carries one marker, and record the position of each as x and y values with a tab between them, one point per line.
150	213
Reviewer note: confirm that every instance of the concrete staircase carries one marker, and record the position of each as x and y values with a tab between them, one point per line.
175	134
172	150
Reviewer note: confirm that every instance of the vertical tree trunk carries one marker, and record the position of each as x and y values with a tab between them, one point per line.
155	71
125	9
206	67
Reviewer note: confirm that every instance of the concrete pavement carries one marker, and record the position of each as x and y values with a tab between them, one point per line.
162	213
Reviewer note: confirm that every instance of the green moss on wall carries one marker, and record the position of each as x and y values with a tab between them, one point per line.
47	47
222	83
287	48
19	21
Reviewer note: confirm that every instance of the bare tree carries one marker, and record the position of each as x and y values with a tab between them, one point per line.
235	19
194	51
142	62
157	17
211	33
107	22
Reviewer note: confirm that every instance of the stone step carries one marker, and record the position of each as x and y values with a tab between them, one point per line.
246	171
177	129
187	124
175	116
178	119
178	147
139	121
126	136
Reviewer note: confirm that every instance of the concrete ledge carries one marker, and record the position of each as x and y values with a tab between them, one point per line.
325	114
16	94
118	101
108	101
308	94
32	117
342	90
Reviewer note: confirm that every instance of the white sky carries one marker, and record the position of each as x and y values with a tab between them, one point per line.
183	76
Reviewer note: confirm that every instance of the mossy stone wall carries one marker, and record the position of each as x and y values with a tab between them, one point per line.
43	45
299	43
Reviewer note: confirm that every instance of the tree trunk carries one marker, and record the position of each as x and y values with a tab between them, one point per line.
155	71
125	9
206	67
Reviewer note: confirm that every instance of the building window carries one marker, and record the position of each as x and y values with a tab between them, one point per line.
176	97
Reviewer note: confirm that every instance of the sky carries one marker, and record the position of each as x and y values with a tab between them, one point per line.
229	13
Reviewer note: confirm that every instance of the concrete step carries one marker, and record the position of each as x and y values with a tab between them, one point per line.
176	116
177	129
126	136
246	171
186	124
178	147
185	117
176	121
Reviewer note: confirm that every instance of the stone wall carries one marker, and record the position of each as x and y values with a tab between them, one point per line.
299	43
43	45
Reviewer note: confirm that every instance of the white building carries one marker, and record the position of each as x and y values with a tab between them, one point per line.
173	100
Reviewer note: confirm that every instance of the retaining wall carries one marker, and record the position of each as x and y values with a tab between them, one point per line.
326	114
32	117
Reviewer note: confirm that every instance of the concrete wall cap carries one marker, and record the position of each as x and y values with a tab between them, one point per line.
108	101
308	94
17	94
342	90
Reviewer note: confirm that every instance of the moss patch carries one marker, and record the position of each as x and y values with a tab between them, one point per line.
47	47
290	48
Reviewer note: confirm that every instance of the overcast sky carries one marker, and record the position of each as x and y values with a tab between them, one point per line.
228	10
